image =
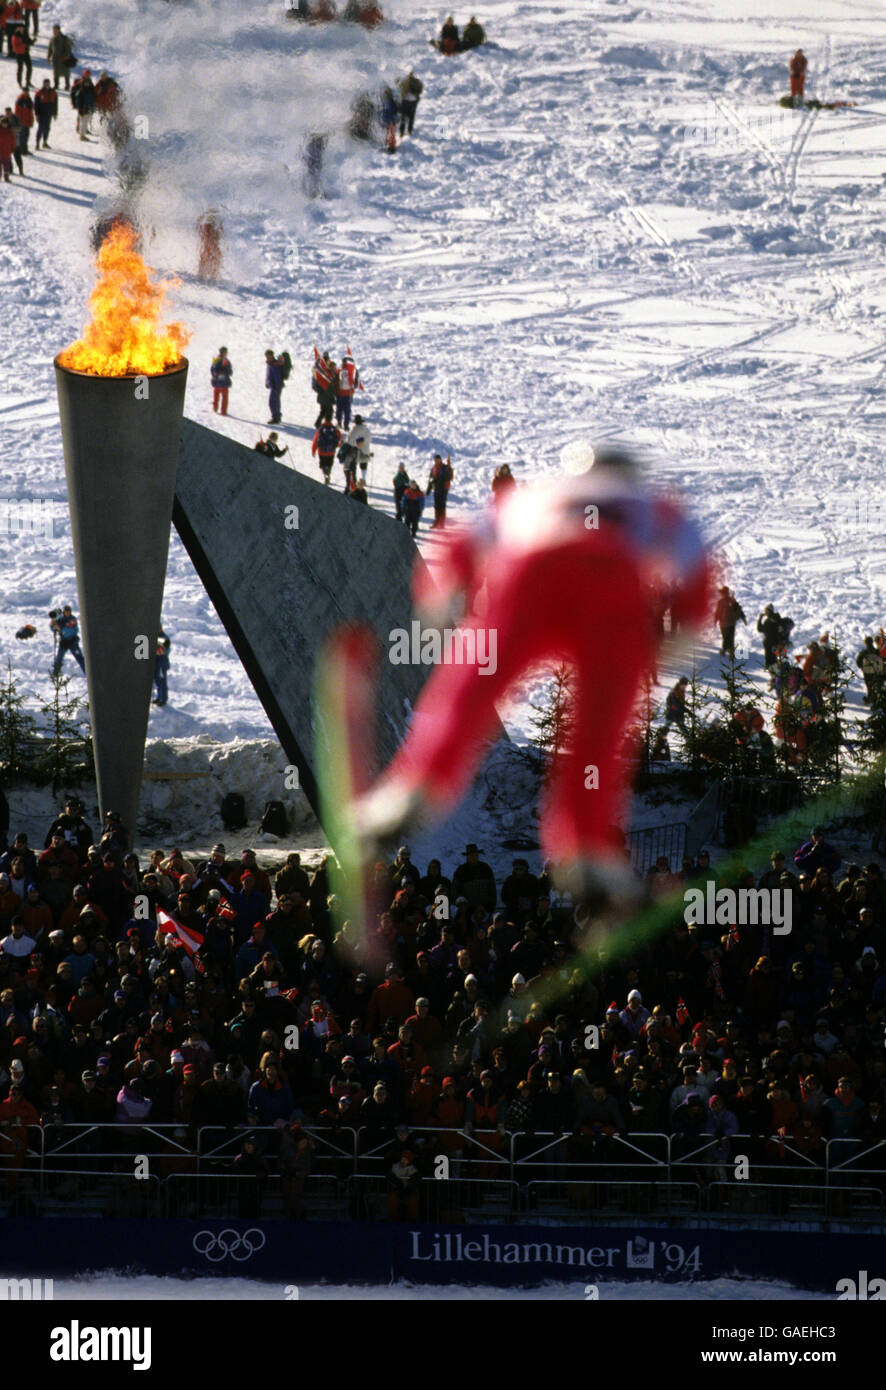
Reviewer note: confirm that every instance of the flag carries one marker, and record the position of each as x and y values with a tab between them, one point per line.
683	1016
190	939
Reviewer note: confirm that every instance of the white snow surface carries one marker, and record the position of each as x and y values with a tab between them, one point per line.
110	1285
604	227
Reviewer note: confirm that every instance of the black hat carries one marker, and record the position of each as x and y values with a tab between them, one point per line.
472	849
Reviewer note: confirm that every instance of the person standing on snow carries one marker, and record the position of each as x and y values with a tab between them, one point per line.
401	483
411	88
872	667
769	625
326	441
21	48
60	53
68	639
84	103
24	111
32	12
220	374
8	146
11	15
347	382
675	705
16	126
413	503
274	382
439	482
45	110
797	69
161	669
389	115
727	613
325	384
360	438
503	482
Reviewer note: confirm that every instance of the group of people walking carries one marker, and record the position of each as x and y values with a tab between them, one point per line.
36	112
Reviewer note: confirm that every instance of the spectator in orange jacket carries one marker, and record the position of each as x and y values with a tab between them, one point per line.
797	69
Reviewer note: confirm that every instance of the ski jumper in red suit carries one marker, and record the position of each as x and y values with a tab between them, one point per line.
572	570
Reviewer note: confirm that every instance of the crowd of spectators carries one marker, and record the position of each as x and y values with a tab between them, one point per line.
207	993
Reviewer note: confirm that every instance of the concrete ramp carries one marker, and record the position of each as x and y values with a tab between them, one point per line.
281	580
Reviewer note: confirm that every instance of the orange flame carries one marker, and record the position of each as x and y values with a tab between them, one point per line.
124	337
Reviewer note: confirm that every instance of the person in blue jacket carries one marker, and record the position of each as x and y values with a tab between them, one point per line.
270	1099
220	374
274	383
68	639
161	670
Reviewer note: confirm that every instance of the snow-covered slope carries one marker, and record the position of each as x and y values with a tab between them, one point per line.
604	225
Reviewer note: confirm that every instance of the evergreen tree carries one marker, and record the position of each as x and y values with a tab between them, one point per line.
873	731
554	717
827	733
703	742
16	729
738	702
642	734
66	751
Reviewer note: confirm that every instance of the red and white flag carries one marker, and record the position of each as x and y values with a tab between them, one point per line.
190	939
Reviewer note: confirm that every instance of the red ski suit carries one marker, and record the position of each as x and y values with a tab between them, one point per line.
563	581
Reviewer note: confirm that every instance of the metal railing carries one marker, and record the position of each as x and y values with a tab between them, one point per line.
173	1171
645	846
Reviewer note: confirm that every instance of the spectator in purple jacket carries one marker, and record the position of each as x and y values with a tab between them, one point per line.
816	853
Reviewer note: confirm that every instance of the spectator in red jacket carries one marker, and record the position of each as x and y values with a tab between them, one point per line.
10	150
346	383
393	999
13	15
45	111
21	48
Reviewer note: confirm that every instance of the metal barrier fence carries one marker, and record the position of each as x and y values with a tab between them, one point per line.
168	1170
645	846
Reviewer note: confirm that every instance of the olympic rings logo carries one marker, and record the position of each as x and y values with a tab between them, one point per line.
239	1245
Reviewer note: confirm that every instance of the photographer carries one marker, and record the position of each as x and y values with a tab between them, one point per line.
65	625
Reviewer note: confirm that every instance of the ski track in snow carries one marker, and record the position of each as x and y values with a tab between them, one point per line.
553	255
